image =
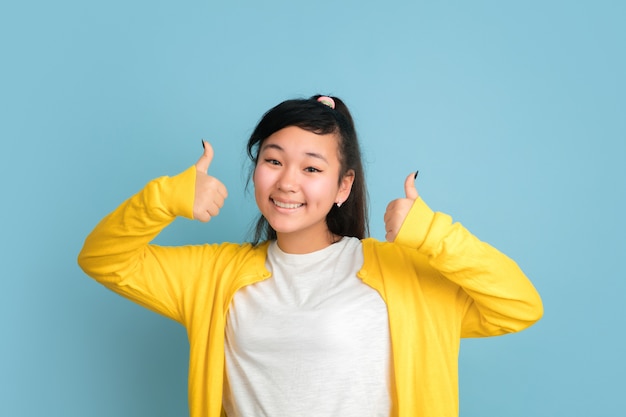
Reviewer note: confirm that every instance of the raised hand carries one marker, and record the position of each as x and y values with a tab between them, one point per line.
210	192
398	209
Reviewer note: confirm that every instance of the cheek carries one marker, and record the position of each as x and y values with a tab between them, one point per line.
255	181
260	180
326	189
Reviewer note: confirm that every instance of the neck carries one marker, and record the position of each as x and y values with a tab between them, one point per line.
299	243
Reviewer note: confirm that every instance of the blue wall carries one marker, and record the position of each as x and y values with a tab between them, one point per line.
513	113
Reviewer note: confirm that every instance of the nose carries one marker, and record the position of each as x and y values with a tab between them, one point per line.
288	180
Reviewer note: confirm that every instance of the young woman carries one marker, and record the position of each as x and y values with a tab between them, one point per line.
312	318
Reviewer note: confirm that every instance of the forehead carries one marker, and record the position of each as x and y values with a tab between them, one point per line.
293	139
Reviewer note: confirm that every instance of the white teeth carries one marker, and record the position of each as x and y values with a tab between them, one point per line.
287	205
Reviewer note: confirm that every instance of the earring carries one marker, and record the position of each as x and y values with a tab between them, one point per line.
339	204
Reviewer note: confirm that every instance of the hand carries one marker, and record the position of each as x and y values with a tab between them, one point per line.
398	209
210	192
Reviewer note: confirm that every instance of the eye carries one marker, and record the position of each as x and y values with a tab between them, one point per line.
311	169
272	161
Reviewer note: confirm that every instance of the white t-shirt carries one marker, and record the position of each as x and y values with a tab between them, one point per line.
312	340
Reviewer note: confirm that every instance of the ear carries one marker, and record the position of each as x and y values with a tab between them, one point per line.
345	187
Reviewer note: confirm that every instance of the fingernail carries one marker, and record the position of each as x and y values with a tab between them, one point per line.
202	143
416	172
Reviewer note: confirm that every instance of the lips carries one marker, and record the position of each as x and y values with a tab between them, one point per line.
286	205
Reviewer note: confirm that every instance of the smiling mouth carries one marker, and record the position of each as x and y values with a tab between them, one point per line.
287	205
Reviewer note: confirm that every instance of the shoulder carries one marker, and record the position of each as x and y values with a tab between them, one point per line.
404	274
389	260
235	256
372	246
237	252
382	255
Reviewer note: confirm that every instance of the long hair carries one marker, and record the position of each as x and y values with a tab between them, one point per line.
309	114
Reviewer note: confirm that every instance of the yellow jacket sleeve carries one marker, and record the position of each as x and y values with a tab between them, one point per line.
117	252
498	298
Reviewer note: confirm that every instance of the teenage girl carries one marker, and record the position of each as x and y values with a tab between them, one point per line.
312	318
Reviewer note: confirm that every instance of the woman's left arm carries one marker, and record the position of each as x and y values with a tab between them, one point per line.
500	298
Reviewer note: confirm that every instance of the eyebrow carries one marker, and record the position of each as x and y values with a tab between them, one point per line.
278	148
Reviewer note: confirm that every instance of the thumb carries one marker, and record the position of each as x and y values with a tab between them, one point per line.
205	160
409	187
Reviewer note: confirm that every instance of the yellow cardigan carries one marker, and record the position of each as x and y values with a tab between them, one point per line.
440	283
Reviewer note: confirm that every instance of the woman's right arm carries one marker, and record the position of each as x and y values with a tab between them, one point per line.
118	253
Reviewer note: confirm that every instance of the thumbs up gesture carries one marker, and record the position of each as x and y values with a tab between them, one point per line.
210	192
398	209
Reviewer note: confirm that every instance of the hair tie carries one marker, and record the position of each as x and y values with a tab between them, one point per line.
327	101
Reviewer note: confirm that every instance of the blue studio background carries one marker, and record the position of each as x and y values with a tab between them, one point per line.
514	113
